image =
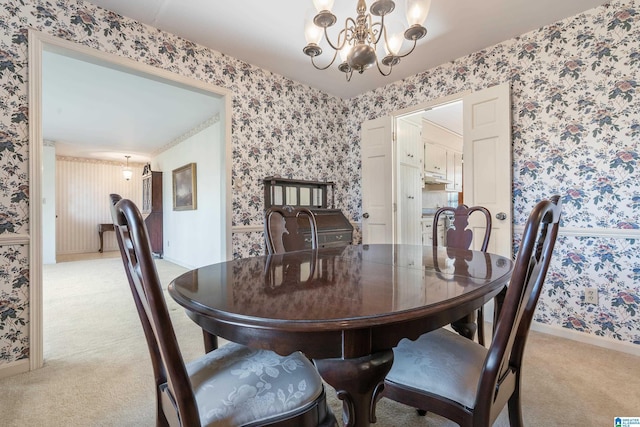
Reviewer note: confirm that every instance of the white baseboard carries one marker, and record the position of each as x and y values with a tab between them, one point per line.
559	331
605	342
180	263
14	368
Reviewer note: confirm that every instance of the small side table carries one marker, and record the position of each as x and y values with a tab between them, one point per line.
101	229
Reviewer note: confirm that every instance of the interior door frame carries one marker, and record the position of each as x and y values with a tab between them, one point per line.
408	111
38	42
398	114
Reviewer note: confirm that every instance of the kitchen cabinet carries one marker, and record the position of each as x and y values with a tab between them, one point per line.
409	205
427	231
454	171
410	150
435	158
409	198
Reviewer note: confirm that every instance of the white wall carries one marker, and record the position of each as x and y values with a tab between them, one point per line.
195	238
82	200
49	205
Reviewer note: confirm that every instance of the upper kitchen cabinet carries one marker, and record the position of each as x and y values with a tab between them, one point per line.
442	156
454	171
409	142
435	159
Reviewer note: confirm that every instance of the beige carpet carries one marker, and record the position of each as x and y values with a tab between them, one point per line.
97	370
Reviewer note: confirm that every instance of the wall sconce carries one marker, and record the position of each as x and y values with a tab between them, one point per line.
127	173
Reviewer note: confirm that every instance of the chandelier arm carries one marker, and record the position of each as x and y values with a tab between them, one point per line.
344	31
380	69
415	42
349	74
382	29
335	54
386	40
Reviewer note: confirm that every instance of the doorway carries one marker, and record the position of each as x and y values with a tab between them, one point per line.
487	166
39	43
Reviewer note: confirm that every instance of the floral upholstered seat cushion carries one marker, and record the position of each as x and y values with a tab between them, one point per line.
245	385
440	362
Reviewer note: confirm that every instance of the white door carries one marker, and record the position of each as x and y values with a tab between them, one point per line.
487	163
377	181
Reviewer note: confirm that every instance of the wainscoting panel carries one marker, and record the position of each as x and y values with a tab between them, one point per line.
82	201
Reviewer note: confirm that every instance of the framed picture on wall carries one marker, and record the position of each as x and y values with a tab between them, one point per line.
184	188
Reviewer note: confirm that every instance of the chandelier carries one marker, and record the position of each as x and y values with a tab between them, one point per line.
358	41
127	172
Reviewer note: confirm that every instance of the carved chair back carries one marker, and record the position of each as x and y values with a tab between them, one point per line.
168	365
459	236
282	229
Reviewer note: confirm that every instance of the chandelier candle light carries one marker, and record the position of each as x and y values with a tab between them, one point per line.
358	41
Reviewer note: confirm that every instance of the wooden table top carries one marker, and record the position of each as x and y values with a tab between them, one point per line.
350	287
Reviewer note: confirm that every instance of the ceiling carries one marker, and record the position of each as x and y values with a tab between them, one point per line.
92	110
124	114
270	34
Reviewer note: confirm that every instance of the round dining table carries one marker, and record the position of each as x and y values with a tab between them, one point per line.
345	308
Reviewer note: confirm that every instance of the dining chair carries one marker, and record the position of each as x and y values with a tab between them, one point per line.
282	229
459	236
461	380
232	385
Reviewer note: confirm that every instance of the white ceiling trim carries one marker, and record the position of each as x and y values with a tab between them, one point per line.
199	128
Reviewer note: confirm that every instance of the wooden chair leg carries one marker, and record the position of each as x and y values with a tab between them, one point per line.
480	322
515	408
210	341
465	326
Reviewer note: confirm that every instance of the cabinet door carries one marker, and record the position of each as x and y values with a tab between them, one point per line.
409	143
454	170
409	205
427	231
435	158
146	194
457	171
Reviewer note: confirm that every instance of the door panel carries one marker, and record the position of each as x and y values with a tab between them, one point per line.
377	181
487	162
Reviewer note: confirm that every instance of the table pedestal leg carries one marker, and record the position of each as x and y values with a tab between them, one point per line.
358	383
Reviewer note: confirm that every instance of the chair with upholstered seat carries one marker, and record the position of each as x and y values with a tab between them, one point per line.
282	229
457	378
459	236
231	386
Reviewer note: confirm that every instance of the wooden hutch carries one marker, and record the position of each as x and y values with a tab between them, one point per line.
152	208
334	230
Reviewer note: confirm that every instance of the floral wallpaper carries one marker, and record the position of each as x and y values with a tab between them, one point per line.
576	132
14	302
576	125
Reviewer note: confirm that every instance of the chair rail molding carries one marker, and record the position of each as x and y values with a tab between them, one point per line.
615	233
15	239
247	228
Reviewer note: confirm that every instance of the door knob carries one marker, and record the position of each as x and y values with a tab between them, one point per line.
501	216
365	215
